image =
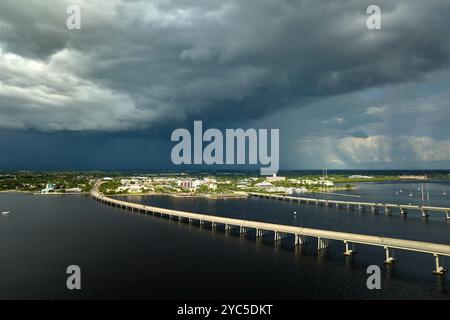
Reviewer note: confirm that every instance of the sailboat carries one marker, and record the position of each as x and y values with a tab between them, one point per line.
6	212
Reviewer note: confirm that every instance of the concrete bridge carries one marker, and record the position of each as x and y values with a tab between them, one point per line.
279	232
373	206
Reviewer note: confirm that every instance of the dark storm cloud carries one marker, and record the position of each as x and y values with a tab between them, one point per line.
359	134
153	65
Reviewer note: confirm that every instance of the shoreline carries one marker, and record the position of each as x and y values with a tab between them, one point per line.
44	194
227	196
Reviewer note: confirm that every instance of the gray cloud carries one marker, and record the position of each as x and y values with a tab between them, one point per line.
149	65
359	134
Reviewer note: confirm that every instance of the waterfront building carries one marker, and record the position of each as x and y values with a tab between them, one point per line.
358	176
275	178
414	177
49	188
264	184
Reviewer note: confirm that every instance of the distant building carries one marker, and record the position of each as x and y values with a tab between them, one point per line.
196	183
358	176
264	184
107	179
136	188
212	186
280	190
185	184
73	190
414	177
122	188
275	178
327	183
49	188
193	184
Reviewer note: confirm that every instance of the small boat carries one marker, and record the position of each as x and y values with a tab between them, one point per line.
444	193
6	212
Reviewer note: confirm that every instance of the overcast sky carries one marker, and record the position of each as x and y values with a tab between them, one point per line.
109	95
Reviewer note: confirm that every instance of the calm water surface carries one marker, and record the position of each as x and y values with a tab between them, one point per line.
129	255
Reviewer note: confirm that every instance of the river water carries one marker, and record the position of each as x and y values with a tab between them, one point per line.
130	255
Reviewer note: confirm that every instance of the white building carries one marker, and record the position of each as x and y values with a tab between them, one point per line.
212	186
358	176
136	188
275	178
264	184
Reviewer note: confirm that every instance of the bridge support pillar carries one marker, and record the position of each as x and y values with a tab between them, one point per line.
389	255
322	243
227	227
425	213
439	269
387	210
299	239
374	209
259	233
242	230
447	214
348	251
276	236
403	212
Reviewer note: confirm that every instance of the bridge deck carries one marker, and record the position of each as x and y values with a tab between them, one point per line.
353	203
410	245
300	233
